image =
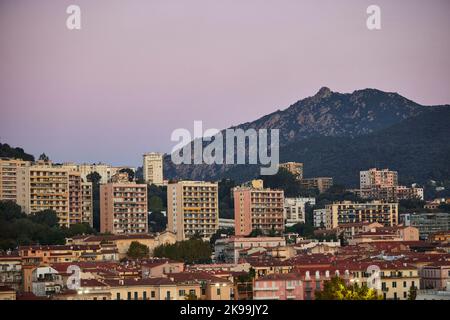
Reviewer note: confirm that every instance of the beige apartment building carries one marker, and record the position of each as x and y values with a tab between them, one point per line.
44	186
123	208
192	208
153	168
352	212
87	203
296	168
258	208
8	177
320	183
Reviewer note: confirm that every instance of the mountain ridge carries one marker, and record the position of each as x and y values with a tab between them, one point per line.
325	114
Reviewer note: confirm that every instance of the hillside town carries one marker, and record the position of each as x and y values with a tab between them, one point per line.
275	246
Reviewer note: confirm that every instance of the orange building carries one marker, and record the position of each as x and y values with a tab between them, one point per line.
258	208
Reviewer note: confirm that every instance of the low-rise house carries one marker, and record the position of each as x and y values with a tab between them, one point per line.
435	276
11	270
227	249
46	282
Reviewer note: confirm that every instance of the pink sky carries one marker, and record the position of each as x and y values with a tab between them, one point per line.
140	69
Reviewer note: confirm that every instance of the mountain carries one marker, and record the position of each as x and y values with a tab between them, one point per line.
7	151
338	134
335	114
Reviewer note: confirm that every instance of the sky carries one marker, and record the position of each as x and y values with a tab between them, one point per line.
139	69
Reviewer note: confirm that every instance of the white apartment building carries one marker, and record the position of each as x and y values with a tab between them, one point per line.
294	209
153	168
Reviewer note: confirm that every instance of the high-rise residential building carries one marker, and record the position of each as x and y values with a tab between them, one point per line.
153	168
87	203
296	168
43	186
75	198
123	208
8	177
294	209
320	183
258	208
383	185
378	178
353	212
192	208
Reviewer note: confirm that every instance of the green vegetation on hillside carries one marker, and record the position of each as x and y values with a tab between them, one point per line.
6	151
190	251
18	228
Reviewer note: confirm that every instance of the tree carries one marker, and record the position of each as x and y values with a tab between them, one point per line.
219	233
190	251
157	221
412	294
95	178
44	157
303	229
337	289
191	296
226	202
256	233
46	217
155	203
138	250
9	210
285	181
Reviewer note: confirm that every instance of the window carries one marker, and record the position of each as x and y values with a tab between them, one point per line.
404	284
144	295
181	293
404	295
129	295
394	284
218	291
192	292
118	296
152	294
135	295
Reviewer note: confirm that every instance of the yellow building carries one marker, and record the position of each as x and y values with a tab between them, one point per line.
395	278
351	212
192	208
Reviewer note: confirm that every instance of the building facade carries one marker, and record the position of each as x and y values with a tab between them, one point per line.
8	177
123	208
352	212
153	168
320	183
192	208
261	209
294	209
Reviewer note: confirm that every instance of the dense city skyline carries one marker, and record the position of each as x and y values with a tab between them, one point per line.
136	72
